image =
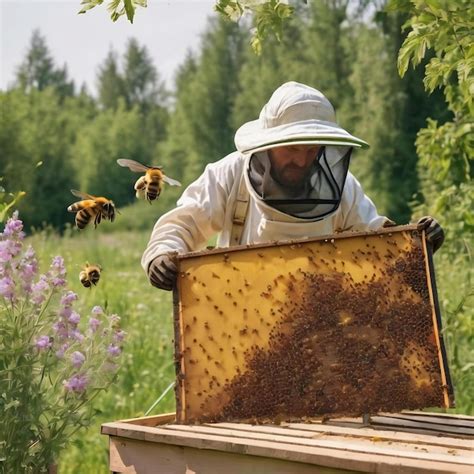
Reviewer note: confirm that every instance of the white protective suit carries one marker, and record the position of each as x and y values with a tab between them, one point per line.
207	207
330	200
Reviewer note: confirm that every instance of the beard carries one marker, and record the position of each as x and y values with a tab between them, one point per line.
291	176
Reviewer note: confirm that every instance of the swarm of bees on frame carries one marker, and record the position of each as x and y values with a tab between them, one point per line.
97	208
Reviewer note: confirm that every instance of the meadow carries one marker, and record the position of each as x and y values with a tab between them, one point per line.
147	363
146	314
419	163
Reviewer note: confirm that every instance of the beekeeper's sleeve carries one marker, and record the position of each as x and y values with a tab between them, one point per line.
358	210
198	216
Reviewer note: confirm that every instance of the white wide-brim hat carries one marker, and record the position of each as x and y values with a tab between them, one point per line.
296	114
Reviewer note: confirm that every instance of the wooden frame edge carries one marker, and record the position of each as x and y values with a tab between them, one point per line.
448	392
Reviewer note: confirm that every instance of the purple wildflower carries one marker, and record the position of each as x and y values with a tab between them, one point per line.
76	334
58	273
61	330
68	298
5	254
94	324
30	253
58	282
58	265
39	290
43	342
8	250
14	226
119	335
74	318
28	268
77	383
114	319
60	352
114	351
28	271
7	288
97	310
77	359
65	312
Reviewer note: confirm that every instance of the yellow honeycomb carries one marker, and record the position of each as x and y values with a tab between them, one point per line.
343	325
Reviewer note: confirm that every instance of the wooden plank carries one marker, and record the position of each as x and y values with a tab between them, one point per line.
404	425
313	455
130	457
179	346
440	428
346	458
303	448
153	420
407	429
385	448
431	413
434	419
125	430
338	235
309	430
436	321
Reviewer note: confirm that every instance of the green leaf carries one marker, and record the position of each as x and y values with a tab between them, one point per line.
129	9
12	404
398	6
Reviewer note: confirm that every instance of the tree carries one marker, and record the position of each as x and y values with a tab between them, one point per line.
269	14
111	135
141	81
178	148
110	83
39	72
38	129
446	151
370	114
201	129
326	50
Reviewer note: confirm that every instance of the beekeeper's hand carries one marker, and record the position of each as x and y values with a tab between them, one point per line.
434	231
163	272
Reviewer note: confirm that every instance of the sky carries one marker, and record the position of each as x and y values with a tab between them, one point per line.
168	28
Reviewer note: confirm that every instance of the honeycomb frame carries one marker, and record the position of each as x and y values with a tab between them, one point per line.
329	335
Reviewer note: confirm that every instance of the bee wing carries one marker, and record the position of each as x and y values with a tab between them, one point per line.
133	165
171	181
82	195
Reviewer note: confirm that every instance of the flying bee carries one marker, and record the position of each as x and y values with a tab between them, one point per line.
91	208
90	275
150	185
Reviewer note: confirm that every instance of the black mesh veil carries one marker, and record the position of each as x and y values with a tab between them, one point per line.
320	193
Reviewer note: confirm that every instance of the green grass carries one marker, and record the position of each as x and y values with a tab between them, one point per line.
147	318
456	297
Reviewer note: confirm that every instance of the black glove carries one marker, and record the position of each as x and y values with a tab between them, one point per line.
434	232
163	272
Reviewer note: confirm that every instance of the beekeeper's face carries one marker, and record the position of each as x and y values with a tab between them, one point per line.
290	164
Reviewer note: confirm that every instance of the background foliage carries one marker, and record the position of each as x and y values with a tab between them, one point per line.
420	160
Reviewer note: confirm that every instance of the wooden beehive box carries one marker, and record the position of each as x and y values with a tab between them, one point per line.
430	443
342	325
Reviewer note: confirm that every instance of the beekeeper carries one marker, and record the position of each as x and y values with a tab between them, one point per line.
288	179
